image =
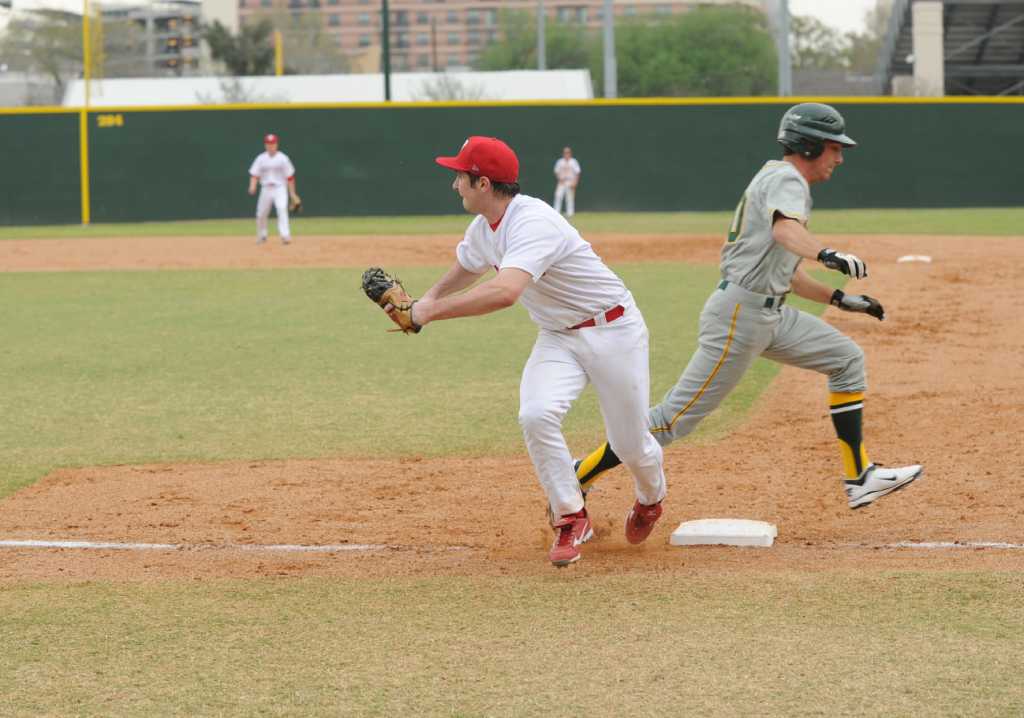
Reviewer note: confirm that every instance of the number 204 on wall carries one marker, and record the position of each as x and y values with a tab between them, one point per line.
110	120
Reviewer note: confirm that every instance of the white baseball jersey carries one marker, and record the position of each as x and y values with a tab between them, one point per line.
272	171
751	257
567	170
571	285
570	282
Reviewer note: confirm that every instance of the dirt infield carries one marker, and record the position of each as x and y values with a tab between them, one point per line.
36	255
946	371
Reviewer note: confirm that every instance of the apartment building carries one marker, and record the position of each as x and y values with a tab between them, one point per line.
170	38
449	34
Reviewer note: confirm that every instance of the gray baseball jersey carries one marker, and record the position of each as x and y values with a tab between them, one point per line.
751	258
746	317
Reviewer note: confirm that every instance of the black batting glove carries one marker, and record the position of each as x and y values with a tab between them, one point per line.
848	264
857	303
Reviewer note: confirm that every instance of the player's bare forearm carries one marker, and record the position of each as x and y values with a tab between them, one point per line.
490	296
455	279
805	286
795	237
252	185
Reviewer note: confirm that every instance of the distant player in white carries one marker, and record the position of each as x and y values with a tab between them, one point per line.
567	173
275	174
590	331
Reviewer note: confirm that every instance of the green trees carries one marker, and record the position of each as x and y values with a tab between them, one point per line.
308	49
709	51
50	43
251	52
816	46
813	45
567	47
706	51
863	49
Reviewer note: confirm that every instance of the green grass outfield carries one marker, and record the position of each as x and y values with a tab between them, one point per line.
636	645
133	367
126	367
973	221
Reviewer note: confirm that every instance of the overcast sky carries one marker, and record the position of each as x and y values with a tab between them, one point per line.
844	15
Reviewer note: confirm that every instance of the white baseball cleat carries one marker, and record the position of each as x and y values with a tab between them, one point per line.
877	481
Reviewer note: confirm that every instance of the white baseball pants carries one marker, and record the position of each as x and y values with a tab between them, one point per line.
614	358
568	193
276	195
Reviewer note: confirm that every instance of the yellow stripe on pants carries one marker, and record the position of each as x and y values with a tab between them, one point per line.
707	382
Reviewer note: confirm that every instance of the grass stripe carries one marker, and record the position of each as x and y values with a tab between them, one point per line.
693	642
1001	221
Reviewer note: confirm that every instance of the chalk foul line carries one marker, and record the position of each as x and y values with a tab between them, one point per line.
357	547
122	546
953	544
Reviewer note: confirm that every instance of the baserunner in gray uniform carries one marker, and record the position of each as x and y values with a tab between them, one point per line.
746	316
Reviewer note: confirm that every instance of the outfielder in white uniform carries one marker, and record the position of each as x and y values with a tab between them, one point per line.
745	316
590	330
567	175
275	174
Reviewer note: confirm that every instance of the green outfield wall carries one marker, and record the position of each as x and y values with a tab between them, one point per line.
41	178
377	159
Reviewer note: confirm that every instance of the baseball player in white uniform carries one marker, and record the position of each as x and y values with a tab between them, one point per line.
275	174
745	316
567	175
590	330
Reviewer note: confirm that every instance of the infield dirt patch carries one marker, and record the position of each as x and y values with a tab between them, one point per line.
946	370
41	255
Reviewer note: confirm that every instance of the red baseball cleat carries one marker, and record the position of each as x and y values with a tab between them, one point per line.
640	521
572	530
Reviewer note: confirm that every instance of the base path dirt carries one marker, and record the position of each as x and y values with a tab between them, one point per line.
946	373
98	254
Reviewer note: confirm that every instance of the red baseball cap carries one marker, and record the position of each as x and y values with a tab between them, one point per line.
270	139
484	157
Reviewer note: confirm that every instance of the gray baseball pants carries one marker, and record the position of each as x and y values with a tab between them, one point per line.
736	327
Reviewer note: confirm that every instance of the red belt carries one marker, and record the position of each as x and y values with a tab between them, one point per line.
610	316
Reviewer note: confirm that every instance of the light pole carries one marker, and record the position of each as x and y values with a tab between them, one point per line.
782	41
611	78
83	114
385	47
542	57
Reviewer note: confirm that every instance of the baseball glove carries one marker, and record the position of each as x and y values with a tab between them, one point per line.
390	295
295	206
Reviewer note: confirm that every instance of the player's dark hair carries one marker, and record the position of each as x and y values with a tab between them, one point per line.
502	189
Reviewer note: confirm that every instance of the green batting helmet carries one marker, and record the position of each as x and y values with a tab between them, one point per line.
806	127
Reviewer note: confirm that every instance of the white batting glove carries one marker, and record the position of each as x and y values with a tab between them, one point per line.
848	264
